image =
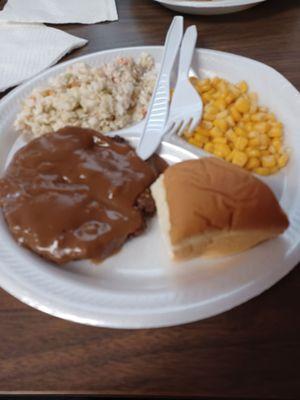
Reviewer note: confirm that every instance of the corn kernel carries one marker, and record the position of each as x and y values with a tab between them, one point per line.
253	153
223	86
243	86
242	105
272	149
206	125
216	132
268	161
255	142
235	114
194	142
275	132
222	114
222	150
239	158
215	81
262	127
277	145
264	142
201	139
241	143
209	147
253	135
208	116
230	156
201	131
258	117
229	98
252	163
262	171
230	135
220	104
253	109
240	132
230	121
246	117
211	109
221	124
205	97
249	126
205	88
283	160
220	140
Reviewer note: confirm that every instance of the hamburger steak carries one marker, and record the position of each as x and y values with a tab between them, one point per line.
77	194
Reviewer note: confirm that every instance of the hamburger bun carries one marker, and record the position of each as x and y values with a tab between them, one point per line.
211	208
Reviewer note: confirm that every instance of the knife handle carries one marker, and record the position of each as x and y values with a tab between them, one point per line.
159	106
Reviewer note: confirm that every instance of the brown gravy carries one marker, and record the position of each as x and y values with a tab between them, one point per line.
76	194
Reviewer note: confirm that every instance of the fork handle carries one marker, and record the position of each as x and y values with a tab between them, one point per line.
187	51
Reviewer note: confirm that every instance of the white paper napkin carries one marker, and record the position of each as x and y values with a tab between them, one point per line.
59	11
27	49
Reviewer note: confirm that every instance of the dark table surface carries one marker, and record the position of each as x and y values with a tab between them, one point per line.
251	352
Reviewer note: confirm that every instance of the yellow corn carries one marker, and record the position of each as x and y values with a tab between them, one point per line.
221	124
229	98
275	132
262	171
258	117
254	143
220	140
253	163
268	161
216	132
243	86
235	114
231	135
230	121
277	145
253	152
208	117
221	150
235	127
265	153
242	105
206	125
201	139
209	147
262	127
283	160
241	143
220	104
240	132
239	158
264	142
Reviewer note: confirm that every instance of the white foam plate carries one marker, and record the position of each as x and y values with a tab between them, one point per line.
213	7
140	286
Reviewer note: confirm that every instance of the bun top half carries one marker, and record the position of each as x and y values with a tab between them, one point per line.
209	194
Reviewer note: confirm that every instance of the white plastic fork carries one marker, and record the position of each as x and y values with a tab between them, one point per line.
186	106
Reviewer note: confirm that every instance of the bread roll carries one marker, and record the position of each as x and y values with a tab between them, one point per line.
211	208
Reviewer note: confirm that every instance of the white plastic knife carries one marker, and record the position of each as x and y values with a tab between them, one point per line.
157	115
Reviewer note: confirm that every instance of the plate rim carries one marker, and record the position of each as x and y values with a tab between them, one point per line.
210	4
